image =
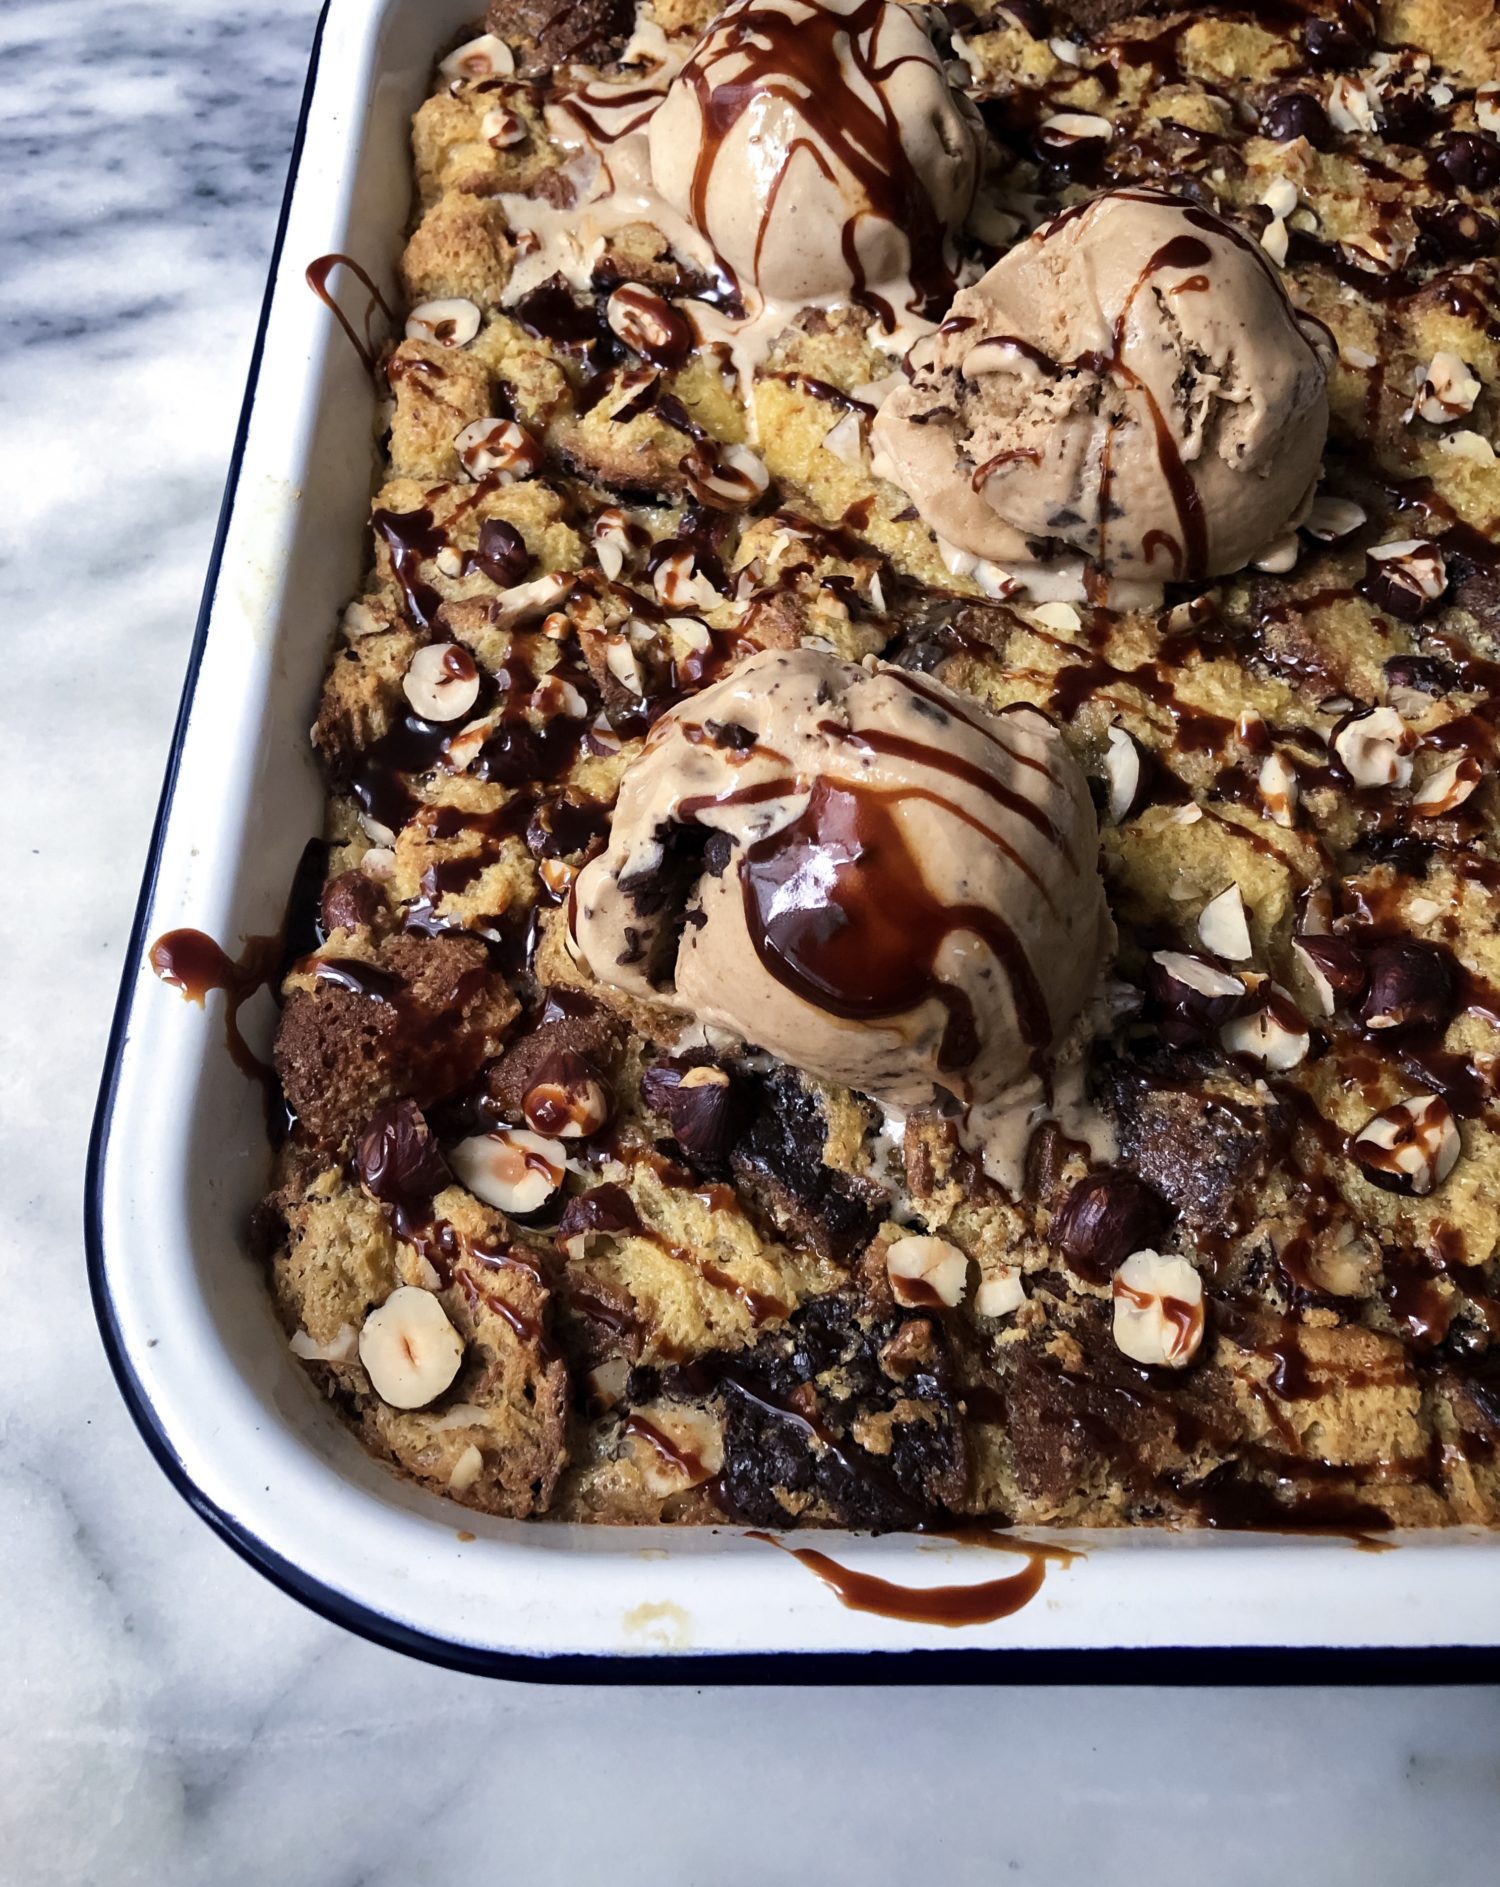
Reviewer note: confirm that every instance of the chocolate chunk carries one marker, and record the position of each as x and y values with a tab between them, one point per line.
1400	849
502	554
1295	115
1105	1218
1469	161
604	1209
792	1402
1205	1152
730	735
1427	674
351	902
778	1163
514	755
663	892
398	1161
564	825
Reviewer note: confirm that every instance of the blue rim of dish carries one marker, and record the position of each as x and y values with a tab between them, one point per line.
1271	1665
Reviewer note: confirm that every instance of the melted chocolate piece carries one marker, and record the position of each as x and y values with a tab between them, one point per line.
399	1162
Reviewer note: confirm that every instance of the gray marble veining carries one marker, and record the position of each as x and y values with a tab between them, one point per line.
165	1716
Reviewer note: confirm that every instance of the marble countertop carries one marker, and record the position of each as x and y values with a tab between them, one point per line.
165	1716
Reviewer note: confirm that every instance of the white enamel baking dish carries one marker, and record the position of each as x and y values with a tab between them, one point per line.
179	1155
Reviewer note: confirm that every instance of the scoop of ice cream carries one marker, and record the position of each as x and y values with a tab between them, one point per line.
1129	386
859	870
819	148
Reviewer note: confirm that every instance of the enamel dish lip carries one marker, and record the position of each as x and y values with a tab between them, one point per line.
178	1155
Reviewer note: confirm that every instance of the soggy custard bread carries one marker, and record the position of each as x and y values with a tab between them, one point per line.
909	928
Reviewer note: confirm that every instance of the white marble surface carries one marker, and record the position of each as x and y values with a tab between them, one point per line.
165	1717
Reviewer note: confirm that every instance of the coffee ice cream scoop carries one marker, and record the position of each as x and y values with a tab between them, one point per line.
858	870
820	149
1126	399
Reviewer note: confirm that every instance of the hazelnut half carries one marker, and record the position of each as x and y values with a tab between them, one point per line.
483	58
1158	1310
451	323
1411	1147
1405	578
1273	1034
410	1350
567	1100
1375	748
512	1169
926	1272
500	450
1222	926
442	682
1446	788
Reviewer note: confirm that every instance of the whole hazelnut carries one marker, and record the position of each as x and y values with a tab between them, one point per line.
567	1100
1412	985
350	901
702	1106
1106	1217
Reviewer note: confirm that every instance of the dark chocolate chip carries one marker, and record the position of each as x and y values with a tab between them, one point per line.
502	554
1295	115
397	1159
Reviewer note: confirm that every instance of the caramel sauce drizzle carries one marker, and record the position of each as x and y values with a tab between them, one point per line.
953	1606
190	960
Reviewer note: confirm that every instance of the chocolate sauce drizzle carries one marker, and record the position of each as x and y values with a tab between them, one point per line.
364	341
864	938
